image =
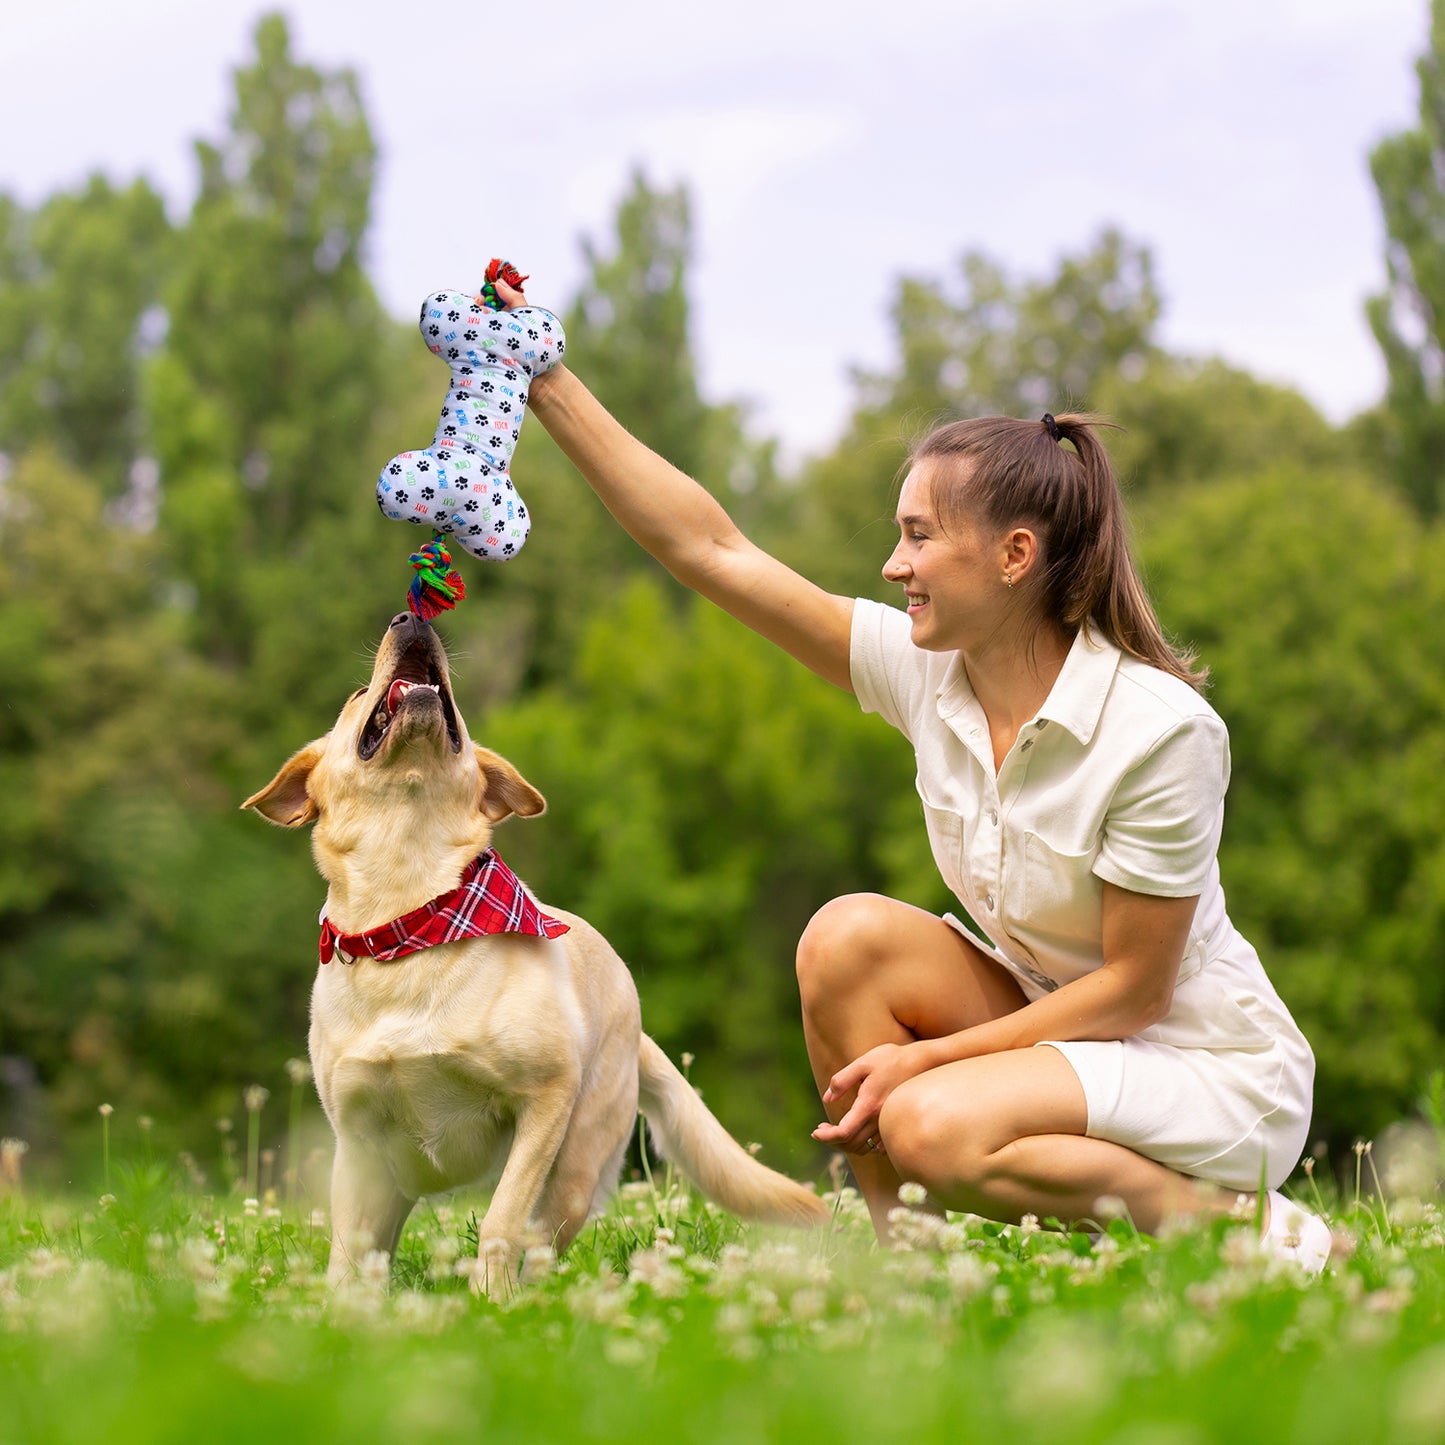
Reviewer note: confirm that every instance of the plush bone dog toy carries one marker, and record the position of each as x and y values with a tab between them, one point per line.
461	484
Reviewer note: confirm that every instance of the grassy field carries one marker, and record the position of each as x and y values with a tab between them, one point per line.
157	1313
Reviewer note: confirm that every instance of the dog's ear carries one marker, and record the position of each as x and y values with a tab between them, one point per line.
504	790
285	800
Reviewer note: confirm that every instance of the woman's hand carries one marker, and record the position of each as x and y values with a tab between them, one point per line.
874	1075
511	297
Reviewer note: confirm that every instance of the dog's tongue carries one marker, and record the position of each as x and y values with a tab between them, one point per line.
396	692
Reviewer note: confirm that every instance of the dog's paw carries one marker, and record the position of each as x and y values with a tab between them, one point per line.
492	1274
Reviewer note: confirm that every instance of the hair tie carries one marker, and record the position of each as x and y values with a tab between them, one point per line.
1052	427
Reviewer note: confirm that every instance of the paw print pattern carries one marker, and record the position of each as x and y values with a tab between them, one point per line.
481	419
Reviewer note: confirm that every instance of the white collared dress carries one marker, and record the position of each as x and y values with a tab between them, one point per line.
1121	779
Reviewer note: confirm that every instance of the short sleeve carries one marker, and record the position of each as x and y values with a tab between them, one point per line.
1161	832
889	677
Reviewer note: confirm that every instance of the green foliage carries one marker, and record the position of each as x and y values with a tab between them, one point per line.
80	280
261	399
1188	420
1408	319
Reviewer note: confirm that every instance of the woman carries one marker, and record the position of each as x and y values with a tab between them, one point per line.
1105	1033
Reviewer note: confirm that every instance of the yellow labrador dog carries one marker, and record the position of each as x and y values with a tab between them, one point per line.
514	1057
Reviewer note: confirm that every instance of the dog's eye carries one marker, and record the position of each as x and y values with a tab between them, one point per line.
360	692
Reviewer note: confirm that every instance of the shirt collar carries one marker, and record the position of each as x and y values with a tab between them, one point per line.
1076	699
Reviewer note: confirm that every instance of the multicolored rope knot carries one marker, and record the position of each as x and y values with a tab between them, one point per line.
505	271
435	588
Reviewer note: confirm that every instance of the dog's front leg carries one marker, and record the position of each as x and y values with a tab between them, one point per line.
541	1126
367	1208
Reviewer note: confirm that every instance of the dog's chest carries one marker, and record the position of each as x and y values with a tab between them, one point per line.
438	1115
428	1067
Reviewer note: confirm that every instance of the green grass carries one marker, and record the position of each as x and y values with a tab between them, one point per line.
159	1314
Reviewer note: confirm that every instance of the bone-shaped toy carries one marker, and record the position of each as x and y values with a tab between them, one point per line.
461	483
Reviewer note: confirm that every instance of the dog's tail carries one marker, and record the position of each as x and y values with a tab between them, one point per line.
688	1134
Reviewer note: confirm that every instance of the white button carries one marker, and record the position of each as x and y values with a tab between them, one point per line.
988	898
993	815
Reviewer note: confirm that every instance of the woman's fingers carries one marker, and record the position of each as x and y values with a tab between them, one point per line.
509	294
855	1133
844	1081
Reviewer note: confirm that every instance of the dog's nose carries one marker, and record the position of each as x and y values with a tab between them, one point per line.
400	618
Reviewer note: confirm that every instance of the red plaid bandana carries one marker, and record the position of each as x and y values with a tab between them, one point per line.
489	899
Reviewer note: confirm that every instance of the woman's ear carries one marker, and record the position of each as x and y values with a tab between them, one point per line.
286	800
504	790
1021	550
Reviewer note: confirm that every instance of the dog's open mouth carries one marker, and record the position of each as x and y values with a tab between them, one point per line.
417	683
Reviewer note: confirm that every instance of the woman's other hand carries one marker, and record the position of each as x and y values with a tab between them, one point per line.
874	1075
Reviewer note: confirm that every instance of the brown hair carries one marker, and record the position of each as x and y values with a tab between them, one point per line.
1021	472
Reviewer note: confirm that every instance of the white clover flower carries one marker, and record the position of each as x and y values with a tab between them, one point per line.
105	1111
734	1319
255	1096
655	1268
968	1276
625	1350
197	1258
538	1263
808	1305
375	1269
45	1264
912	1194
298	1071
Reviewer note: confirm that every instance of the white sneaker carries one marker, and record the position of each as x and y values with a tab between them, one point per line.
1295	1234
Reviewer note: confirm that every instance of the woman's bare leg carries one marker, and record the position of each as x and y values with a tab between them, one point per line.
875	971
1003	1136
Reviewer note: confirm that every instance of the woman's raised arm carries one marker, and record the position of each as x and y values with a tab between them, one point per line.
686	529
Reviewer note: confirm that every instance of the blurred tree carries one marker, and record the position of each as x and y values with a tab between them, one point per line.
1000	346
107	717
630	324
79	283
263	397
1316	603
1186	420
1408	319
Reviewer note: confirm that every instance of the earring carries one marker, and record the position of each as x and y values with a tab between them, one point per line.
1008	578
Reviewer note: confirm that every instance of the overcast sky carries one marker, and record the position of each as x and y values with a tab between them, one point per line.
828	147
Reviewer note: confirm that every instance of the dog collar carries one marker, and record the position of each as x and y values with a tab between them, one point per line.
489	899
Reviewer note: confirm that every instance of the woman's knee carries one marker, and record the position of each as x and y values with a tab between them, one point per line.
840	942
927	1138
